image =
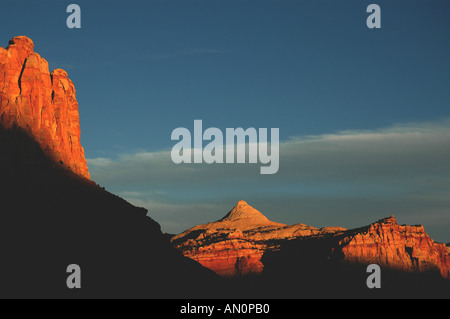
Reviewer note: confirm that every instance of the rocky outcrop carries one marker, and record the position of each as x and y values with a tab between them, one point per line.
390	245
41	103
234	245
227	254
51	218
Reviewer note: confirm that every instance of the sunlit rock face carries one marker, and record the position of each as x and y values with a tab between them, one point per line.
235	245
402	247
41	103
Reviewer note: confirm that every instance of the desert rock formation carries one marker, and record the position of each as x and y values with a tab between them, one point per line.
402	247
235	245
41	103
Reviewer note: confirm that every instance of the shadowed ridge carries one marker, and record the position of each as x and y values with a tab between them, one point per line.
52	215
51	218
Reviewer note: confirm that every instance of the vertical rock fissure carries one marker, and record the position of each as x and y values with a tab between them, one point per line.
20	76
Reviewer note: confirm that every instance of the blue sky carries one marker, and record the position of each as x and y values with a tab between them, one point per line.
363	114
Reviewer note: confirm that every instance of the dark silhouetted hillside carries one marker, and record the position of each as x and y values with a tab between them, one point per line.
51	218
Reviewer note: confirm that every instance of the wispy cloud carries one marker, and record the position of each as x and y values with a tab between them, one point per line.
350	176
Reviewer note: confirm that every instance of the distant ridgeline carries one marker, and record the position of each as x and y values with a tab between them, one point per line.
245	243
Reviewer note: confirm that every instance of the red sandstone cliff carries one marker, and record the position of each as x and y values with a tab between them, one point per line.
41	103
402	247
235	245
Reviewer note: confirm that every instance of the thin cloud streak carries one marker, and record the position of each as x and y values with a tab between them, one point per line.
395	169
392	152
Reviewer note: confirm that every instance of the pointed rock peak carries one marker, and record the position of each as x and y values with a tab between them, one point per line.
242	203
242	210
22	42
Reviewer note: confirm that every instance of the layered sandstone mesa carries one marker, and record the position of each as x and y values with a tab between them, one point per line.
41	103
234	245
402	247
